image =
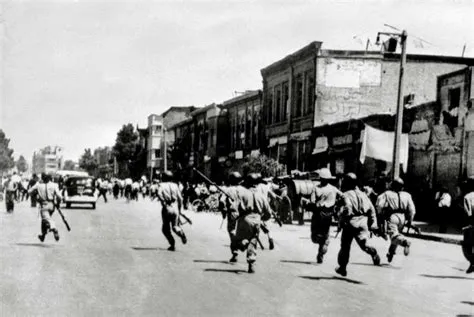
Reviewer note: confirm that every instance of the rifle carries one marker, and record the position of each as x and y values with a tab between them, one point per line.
56	206
212	183
260	243
411	226
186	218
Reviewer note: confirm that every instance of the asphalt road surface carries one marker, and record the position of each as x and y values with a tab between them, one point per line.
114	262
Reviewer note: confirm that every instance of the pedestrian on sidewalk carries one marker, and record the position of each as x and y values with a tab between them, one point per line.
443	206
396	208
325	197
468	243
172	205
48	195
357	218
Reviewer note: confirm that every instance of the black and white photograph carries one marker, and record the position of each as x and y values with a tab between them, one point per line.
236	158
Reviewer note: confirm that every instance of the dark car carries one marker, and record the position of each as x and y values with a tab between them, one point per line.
80	190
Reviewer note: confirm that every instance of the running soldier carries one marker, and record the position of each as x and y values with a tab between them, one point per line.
253	207
172	204
468	247
325	198
48	195
396	208
358	215
229	206
267	192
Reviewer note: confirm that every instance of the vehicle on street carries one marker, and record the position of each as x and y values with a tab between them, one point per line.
80	190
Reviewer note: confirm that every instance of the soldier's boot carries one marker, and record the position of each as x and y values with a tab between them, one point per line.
271	244
251	267
376	259
470	269
41	237
56	234
341	271
320	258
233	259
171	248
406	249
391	252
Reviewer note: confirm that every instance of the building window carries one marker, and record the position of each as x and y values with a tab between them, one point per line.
298	96
277	104
248	127
157	153
269	107
309	86
286	94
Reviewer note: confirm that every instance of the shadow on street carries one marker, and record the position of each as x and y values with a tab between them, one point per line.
385	265
297	262
320	278
38	245
235	271
148	249
467	302
447	276
212	261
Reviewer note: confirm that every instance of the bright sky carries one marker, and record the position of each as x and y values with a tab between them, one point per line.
75	71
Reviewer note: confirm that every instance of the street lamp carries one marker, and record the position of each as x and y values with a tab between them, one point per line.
399	115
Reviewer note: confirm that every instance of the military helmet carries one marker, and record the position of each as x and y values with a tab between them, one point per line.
235	178
167	176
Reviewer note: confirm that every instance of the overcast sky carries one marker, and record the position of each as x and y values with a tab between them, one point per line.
75	71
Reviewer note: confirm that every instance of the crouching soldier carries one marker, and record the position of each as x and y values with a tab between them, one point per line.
396	207
48	195
172	204
358	215
253	207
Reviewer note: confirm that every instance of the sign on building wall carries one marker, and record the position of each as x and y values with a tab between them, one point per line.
347	89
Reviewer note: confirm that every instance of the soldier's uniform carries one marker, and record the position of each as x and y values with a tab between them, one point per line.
48	194
267	192
230	208
325	198
172	203
10	192
468	242
358	215
253	207
396	207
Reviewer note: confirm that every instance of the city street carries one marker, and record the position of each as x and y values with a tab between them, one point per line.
114	262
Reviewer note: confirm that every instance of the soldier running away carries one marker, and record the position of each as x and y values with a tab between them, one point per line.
172	204
358	215
266	191
229	206
253	207
325	198
396	207
48	195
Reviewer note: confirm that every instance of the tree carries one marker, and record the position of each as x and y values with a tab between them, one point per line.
6	154
88	162
263	164
21	164
69	165
125	149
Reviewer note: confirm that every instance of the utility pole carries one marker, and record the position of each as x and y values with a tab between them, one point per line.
399	115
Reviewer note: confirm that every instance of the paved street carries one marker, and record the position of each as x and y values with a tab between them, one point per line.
114	262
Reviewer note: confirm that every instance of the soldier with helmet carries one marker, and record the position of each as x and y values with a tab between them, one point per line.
358	217
325	197
229	206
172	204
48	195
396	207
253	208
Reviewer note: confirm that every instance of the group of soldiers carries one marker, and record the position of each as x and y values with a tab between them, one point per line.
244	202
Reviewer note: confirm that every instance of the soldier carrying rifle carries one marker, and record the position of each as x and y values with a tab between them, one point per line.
48	196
